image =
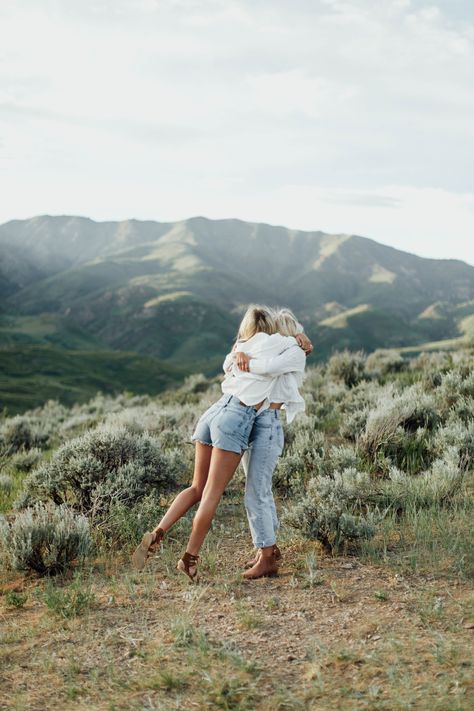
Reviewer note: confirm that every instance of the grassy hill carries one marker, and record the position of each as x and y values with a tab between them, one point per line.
32	374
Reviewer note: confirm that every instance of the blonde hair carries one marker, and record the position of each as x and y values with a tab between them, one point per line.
287	324
257	319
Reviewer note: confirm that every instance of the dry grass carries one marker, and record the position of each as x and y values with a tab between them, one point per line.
328	633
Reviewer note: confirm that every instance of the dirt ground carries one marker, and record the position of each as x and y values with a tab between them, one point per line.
327	633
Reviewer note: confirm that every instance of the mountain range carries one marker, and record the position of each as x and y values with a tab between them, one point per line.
174	292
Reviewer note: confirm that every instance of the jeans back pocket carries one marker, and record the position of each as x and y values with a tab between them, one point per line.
231	421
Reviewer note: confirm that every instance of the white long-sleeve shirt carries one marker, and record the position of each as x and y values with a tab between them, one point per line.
276	372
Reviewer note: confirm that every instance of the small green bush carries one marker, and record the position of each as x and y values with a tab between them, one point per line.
190	392
399	429
334	509
354	424
382	362
46	539
126	524
301	459
68	602
459	435
20	433
6	483
347	367
15	599
436	486
102	467
24	461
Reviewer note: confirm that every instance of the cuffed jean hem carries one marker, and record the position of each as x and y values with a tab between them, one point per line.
264	543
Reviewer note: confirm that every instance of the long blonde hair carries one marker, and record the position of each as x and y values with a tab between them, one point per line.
257	319
287	324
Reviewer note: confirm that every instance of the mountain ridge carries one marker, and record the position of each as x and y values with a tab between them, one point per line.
138	221
176	290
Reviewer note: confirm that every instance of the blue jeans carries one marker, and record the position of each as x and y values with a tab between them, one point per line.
259	461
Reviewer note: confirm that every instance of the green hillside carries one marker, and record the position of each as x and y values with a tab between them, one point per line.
30	375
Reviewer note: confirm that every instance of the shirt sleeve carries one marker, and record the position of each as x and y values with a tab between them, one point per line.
228	362
283	341
290	361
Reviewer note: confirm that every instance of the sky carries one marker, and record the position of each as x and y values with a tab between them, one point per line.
347	116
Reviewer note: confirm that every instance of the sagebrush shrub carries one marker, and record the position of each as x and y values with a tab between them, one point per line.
334	509
348	367
456	394
459	435
399	427
359	401
339	458
6	483
191	391
434	362
104	466
289	474
45	538
20	433
437	486
354	423
26	460
382	362
304	450
126	524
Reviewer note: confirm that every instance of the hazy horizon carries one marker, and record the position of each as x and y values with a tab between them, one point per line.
345	116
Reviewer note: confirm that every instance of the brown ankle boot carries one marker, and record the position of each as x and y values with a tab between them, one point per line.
145	548
254	561
251	562
188	564
266	566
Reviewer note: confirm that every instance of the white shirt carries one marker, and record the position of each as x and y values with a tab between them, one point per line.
276	372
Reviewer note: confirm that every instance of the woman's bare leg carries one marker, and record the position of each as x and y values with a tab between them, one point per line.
221	470
190	496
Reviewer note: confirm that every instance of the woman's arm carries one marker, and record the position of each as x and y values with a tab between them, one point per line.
290	361
229	359
228	362
304	343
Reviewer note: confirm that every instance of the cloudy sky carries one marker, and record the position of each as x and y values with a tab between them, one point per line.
353	116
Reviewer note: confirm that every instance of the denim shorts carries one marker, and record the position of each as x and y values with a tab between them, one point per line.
226	425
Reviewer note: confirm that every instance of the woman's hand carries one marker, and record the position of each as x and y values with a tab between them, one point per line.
304	343
243	361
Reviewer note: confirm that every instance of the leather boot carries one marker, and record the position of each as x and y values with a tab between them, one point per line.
266	566
254	561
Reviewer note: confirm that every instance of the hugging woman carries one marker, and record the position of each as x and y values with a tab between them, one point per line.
262	375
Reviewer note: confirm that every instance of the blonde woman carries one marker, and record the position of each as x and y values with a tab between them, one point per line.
221	435
266	444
